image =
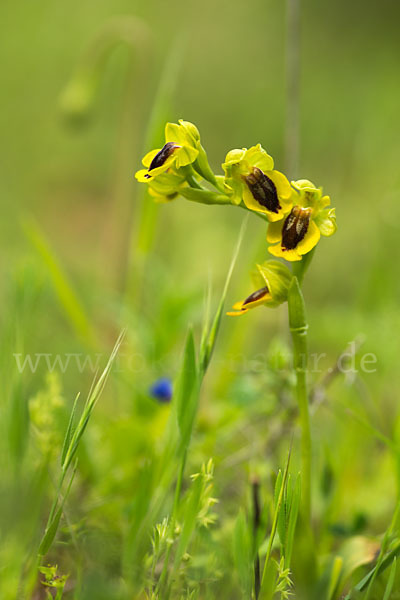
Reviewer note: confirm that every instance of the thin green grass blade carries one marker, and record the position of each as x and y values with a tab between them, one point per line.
69	300
268	587
376	571
208	347
335	577
186	392
390	583
269	563
281	524
51	529
242	554
292	520
50	533
206	321
69	432
89	406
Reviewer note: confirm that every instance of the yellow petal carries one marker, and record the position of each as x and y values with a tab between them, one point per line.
142	176
310	240
290	255
252	204
274	232
178	134
256	156
237	314
149	157
282	185
185	156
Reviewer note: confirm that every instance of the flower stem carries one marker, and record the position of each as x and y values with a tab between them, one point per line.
298	329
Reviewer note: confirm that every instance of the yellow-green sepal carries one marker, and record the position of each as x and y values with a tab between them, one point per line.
202	166
277	277
165	187
326	221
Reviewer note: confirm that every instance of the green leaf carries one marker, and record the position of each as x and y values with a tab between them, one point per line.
269	582
186	391
50	533
269	567
335	577
209	338
281	524
242	554
52	527
292	520
69	432
390	582
377	570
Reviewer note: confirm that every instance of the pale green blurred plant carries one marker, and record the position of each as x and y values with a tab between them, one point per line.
46	410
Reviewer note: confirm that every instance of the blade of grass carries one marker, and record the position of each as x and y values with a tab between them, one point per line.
390	583
242	554
69	432
210	338
269	564
51	529
69	451
335	577
292	521
69	300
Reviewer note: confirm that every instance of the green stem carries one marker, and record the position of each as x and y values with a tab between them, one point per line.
298	329
198	193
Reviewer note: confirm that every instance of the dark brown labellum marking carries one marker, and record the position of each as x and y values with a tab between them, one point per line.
263	190
295	227
162	156
256	296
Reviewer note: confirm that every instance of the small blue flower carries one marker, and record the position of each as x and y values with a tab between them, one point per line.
161	390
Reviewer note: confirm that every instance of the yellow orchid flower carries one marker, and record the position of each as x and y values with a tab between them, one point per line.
301	230
250	176
271	280
182	146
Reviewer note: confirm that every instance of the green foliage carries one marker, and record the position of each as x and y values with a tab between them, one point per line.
103	488
242	554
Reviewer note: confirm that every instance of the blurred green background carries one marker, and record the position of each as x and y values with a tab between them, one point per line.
147	269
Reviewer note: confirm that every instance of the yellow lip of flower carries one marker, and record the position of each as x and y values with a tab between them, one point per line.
308	220
271	280
181	149
297	235
311	196
255	299
250	175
